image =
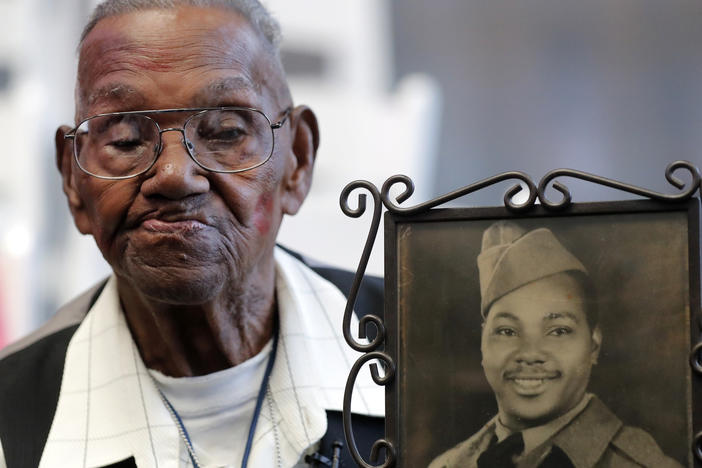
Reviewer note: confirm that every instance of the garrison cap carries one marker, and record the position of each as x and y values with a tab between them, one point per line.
511	257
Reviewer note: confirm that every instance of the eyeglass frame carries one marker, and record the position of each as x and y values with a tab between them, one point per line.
71	135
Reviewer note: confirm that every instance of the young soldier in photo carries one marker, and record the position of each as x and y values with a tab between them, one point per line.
539	341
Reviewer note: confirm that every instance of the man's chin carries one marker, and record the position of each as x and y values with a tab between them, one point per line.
177	285
533	412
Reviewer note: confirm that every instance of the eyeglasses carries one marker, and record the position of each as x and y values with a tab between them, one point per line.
120	145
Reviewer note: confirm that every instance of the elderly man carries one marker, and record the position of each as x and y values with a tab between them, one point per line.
209	345
539	341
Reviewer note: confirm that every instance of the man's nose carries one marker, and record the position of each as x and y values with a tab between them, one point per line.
530	351
175	175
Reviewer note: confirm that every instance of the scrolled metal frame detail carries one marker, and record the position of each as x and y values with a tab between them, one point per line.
696	365
390	452
697	446
363	263
685	193
409	189
368	348
536	192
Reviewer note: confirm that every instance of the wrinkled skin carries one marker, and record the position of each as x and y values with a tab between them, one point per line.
192	250
538	351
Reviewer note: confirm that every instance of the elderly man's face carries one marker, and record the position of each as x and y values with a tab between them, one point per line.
538	350
178	232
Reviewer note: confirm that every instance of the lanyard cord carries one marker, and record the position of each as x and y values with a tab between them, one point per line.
257	411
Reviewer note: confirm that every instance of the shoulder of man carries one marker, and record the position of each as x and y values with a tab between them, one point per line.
67	316
641	447
597	437
30	379
466	453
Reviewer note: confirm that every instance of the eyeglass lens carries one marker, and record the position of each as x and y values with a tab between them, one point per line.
121	145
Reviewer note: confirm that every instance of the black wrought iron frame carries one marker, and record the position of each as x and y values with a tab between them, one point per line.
377	348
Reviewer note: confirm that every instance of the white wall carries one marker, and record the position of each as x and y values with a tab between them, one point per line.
371	127
43	261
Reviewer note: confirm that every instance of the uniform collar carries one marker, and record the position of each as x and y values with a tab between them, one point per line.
587	438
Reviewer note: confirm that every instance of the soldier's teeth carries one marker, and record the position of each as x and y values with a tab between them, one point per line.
529	383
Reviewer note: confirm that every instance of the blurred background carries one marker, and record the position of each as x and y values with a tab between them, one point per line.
447	92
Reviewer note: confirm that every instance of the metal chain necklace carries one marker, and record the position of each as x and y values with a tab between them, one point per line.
182	432
262	392
269	400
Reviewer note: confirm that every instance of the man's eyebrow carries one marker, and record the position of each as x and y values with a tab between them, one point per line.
221	89
506	315
115	92
560	315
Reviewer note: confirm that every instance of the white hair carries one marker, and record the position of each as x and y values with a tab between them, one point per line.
252	10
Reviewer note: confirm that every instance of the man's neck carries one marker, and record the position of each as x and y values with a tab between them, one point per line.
190	340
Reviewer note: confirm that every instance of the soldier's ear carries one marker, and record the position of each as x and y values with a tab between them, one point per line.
596	344
301	158
67	168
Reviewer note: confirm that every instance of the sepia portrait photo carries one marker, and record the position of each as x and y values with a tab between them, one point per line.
543	340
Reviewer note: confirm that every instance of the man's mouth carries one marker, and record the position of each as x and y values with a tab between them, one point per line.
531	385
172	227
170	220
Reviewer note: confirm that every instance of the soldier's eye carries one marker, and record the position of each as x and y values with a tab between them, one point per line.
505	331
560	331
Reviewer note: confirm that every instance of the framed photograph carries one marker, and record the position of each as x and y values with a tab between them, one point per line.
573	329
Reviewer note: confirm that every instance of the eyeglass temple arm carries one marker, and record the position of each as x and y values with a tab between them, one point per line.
281	122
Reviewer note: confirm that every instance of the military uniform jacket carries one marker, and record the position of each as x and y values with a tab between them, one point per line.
595	438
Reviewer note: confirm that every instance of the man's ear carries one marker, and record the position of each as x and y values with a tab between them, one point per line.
64	163
304	144
596	344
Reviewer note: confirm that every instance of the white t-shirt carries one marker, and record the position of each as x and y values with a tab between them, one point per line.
216	409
